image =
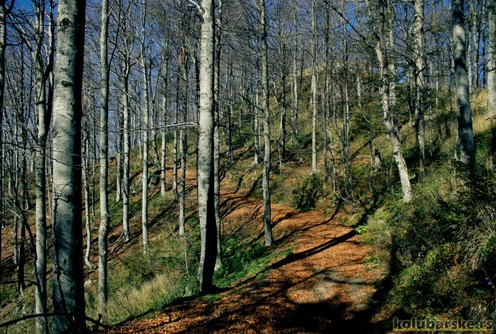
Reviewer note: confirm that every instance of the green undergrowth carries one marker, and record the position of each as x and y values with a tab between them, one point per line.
245	259
307	192
139	283
440	248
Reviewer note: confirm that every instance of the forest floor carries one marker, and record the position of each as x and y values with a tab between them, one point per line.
324	284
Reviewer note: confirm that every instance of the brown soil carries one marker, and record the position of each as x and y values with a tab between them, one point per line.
323	286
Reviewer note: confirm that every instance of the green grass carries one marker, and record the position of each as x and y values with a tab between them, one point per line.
243	259
440	249
139	283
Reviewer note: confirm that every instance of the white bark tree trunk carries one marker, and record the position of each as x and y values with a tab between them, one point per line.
491	73
3	42
491	65
183	145
163	153
118	158
68	289
383	29
295	80
313	100
126	150
86	186
146	112
256	128
208	233
470	61
327	90
267	218
176	140
40	157
420	69
102	288
466	144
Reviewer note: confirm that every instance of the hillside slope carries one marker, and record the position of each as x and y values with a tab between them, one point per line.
324	284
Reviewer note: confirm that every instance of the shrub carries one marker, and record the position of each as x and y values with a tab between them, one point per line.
440	248
238	259
307	193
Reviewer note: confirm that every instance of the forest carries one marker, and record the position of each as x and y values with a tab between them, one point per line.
247	166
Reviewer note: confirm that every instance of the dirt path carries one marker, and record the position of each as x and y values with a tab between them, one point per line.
323	286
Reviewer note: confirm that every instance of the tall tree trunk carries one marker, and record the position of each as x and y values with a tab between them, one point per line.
314	101
295	80
475	17
482	36
217	166
68	289
283	121
183	148
418	31
23	209
346	130
95	157
118	158
163	155
176	139
466	144
256	127
126	186
217	87
383	29
267	218
470	59
153	125
430	124
3	42
86	186
335	181
327	91
17	179
208	233
102	289
369	130
146	111
40	157
491	72
183	145
230	116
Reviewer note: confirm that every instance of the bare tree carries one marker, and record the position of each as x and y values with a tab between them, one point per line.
86	186
4	9
125	71
313	100
295	77
146	112
68	290
267	217
466	144
217	87
383	30
491	72
165	106
43	112
102	289
206	214
419	78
